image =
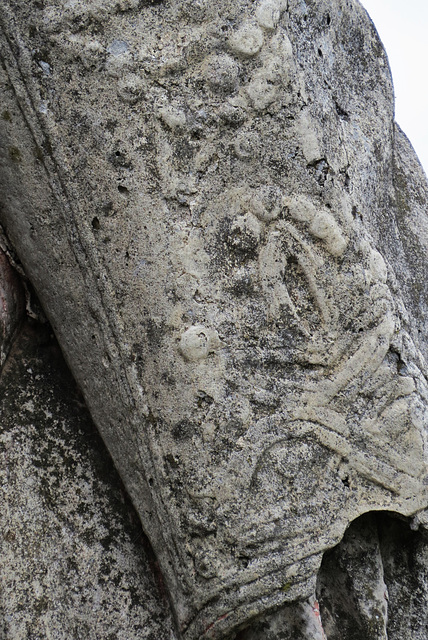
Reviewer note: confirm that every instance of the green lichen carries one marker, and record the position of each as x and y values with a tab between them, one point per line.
286	587
15	154
401	192
41	605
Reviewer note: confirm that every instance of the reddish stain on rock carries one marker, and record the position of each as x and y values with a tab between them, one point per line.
12	306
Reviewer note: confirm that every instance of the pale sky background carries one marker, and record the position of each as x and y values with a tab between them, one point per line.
403	29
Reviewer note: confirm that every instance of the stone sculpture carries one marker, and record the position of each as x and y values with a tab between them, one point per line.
228	234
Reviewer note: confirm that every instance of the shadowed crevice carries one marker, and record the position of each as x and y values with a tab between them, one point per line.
373	584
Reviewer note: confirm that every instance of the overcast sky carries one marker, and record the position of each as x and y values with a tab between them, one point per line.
403	29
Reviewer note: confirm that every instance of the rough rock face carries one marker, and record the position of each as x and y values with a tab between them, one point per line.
74	560
374	584
229	235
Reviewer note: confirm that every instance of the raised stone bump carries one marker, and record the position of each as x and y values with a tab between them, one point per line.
221	73
266	203
197	342
131	88
173	117
301	208
325	227
378	268
247	145
260	92
247	40
268	14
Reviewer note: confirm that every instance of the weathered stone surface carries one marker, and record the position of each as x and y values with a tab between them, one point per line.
74	560
352	588
11	306
228	233
374	584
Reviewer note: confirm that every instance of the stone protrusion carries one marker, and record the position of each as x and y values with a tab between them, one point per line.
228	233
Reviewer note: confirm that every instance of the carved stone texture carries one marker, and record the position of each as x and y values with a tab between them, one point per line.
74	560
229	235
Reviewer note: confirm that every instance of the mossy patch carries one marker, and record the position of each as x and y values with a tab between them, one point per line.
15	154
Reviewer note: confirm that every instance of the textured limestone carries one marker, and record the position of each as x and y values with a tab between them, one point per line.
74	560
228	234
374	584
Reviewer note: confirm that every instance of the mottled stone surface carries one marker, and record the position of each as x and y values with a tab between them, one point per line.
228	233
374	584
74	562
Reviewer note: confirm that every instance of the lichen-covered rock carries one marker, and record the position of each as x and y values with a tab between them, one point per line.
374	585
351	585
74	560
228	233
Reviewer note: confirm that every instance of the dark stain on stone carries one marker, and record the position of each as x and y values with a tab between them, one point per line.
15	154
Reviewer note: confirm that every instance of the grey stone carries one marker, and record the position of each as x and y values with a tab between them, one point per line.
228	234
374	584
74	560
